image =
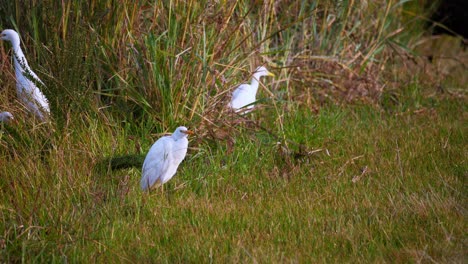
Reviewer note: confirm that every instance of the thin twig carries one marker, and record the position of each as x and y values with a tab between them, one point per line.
347	162
398	157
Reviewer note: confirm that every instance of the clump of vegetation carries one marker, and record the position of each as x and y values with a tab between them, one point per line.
352	154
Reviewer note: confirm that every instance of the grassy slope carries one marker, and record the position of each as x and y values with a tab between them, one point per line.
251	204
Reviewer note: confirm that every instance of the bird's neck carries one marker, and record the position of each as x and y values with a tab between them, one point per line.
177	137
21	64
254	83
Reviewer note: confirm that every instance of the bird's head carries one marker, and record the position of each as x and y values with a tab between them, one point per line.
6	117
182	132
10	35
262	71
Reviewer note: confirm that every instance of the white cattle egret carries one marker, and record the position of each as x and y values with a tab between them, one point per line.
244	96
163	158
6	117
26	79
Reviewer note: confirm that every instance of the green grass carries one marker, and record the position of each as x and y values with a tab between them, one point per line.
252	205
349	159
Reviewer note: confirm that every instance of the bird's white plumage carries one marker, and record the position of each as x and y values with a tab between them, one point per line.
245	95
26	79
163	158
6	117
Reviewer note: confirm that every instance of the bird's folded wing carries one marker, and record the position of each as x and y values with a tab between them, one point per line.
242	88
156	163
40	98
36	78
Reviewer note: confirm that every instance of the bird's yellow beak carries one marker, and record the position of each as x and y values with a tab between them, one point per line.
270	74
188	132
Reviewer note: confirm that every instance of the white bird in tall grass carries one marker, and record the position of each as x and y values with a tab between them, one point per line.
245	95
6	117
26	79
163	159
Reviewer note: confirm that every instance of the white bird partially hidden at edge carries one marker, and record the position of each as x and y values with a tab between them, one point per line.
26	79
245	95
6	117
163	158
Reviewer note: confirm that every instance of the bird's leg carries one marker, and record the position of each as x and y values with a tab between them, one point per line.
166	193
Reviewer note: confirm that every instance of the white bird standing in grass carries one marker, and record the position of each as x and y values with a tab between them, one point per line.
26	79
6	117
163	158
245	95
